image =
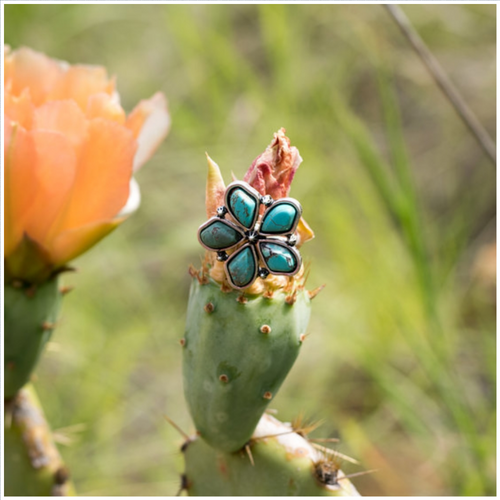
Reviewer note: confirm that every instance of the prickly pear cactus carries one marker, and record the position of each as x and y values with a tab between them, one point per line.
277	462
30	316
238	349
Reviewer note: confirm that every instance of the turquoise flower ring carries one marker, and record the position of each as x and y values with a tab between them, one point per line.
281	218
261	246
242	267
243	203
278	257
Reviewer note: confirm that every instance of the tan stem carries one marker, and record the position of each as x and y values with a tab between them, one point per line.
33	465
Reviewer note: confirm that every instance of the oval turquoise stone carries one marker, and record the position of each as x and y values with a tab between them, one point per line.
241	268
220	235
279	259
279	219
243	207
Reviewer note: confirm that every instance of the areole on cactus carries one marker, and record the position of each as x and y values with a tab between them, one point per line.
239	345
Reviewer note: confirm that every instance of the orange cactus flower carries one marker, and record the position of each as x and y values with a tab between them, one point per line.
69	153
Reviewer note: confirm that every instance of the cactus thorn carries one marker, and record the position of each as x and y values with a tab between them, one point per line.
224	378
47	325
303	427
254	439
177	428
356	474
249	453
268	294
66	289
265	329
209	308
268	395
324	440
182	342
313	293
334	453
290	300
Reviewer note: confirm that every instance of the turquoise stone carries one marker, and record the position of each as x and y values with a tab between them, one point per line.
279	219
243	207
279	259
220	235
241	268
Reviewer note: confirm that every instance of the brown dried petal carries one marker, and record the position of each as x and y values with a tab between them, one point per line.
272	172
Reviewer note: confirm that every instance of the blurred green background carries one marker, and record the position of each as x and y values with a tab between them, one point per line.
400	362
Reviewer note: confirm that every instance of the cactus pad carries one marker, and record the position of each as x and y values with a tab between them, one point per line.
30	315
238	349
283	465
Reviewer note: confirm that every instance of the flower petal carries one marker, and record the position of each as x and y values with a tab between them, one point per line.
107	106
304	232
102	182
20	184
64	117
133	201
272	172
54	172
80	82
26	69
150	123
70	244
214	196
20	109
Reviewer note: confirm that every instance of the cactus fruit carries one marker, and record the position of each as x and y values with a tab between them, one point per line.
279	462
237	351
30	316
33	466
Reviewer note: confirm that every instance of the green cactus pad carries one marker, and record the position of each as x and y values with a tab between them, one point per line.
237	352
30	314
285	465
